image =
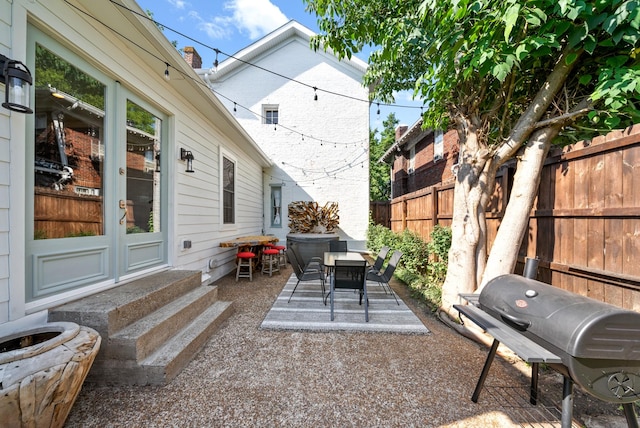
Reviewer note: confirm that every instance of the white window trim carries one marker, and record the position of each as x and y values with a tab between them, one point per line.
270	107
224	154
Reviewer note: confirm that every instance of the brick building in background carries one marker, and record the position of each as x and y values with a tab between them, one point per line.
421	158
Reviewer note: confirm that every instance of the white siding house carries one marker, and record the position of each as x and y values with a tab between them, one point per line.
318	139
104	110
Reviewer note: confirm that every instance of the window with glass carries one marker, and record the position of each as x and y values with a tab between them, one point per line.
270	114
69	149
228	190
276	206
438	145
412	159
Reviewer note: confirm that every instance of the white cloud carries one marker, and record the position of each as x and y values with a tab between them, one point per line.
219	27
179	4
255	17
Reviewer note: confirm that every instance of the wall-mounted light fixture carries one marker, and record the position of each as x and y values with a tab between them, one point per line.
188	156
17	84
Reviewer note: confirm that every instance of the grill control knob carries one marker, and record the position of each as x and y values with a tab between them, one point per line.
531	293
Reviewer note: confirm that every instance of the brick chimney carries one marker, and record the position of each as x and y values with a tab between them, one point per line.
400	130
192	57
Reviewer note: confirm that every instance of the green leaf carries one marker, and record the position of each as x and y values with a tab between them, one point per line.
590	44
585	79
522	51
578	35
501	71
571	58
510	18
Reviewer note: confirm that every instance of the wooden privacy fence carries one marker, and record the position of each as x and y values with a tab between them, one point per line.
61	215
585	224
380	213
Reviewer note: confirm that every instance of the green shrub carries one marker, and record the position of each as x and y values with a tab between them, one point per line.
423	266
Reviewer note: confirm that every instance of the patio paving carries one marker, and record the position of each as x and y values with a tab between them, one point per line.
246	376
305	310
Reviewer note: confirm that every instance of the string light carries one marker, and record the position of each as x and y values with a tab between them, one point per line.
234	107
216	50
215	62
315	94
201	82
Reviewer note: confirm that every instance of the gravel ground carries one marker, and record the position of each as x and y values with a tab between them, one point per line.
247	377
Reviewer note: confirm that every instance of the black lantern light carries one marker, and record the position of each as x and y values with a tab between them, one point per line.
17	85
188	156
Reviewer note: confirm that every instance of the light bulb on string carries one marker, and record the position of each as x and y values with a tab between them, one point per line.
234	108
166	72
215	61
378	112
315	94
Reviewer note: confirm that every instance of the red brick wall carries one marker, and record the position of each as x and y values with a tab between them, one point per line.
426	172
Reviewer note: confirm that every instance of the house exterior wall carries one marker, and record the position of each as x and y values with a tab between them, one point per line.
194	200
427	171
320	153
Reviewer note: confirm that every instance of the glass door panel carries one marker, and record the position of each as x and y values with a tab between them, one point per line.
69	150
143	170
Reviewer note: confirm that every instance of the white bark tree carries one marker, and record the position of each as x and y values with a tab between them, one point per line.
513	77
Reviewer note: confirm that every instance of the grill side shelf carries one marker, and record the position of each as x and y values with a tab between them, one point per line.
523	347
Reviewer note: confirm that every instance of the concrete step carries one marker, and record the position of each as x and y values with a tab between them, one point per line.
167	361
112	310
141	338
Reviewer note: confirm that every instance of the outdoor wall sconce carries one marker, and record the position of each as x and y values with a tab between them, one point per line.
188	156
17	84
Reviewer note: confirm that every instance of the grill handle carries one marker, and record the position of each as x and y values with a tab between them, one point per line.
517	323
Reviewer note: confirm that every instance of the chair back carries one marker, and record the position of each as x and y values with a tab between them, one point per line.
295	264
382	256
349	274
391	267
338	246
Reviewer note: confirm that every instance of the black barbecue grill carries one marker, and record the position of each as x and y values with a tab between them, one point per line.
594	344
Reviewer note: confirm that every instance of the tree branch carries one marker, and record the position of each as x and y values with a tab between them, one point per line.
562	119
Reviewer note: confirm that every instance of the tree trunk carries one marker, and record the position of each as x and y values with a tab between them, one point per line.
468	251
504	251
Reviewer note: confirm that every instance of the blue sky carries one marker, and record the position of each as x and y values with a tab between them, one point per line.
230	25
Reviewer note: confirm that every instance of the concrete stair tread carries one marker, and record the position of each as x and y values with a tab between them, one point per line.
139	339
149	322
116	297
174	354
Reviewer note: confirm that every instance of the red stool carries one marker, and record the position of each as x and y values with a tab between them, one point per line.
245	265
282	255
270	261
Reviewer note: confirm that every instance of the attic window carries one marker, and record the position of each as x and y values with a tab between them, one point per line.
270	114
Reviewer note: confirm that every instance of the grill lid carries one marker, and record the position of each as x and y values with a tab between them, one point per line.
578	325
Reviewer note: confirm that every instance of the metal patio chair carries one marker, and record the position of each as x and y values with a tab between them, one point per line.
383	277
350	275
382	256
311	272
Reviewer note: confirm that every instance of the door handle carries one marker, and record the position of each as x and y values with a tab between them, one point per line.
123	206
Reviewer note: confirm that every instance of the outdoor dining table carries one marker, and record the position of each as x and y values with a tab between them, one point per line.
330	257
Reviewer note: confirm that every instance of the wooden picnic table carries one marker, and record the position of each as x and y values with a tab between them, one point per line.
243	243
248	241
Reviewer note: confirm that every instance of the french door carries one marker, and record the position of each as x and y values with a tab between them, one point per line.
96	197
